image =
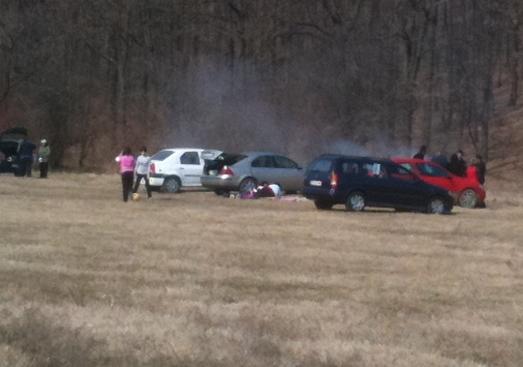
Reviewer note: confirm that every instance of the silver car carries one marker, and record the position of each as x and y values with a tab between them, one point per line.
243	172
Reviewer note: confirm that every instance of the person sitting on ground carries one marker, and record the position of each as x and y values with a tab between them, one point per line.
43	158
142	165
421	153
457	164
268	191
126	162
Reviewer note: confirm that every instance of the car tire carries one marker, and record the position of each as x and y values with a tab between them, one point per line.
171	185
323	204
436	205
468	199
248	184
355	202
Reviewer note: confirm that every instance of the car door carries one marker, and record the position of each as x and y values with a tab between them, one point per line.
263	169
373	180
288	173
191	168
435	175
403	187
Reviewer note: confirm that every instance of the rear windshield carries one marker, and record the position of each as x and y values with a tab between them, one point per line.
229	159
322	165
161	155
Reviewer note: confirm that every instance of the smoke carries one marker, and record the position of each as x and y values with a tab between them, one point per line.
236	110
215	109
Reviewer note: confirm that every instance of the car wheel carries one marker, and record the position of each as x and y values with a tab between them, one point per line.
248	184
436	206
171	185
355	202
468	199
323	204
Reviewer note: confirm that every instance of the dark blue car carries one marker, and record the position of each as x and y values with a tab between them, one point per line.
360	182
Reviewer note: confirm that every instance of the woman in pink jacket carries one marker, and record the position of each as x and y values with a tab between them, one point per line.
126	161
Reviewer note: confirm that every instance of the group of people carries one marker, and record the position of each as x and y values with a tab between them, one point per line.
265	190
457	164
27	157
133	169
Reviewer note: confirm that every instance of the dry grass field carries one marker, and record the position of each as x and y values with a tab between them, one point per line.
197	280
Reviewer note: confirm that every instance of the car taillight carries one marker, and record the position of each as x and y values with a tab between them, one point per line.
226	171
152	169
334	180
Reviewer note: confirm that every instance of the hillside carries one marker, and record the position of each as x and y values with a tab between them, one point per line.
506	141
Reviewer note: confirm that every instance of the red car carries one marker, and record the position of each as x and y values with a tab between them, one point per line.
467	191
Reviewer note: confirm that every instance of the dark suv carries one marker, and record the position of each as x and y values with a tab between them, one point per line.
359	182
10	142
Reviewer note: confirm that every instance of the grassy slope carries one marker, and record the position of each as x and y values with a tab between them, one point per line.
197	280
506	143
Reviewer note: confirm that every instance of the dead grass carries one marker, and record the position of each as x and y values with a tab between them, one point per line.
197	280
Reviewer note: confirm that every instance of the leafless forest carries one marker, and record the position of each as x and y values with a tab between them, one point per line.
300	77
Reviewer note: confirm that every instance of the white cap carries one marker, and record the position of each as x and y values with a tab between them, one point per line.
43	141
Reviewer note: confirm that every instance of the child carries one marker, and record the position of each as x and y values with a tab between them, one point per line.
142	165
126	161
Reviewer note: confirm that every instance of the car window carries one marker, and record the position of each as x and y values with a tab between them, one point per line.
161	155
190	158
377	170
399	171
351	168
407	166
284	162
430	170
264	161
321	165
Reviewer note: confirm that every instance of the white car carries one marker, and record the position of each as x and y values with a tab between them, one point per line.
172	169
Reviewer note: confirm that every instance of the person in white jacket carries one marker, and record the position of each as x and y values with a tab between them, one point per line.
140	170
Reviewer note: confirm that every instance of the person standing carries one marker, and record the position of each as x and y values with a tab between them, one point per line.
421	153
457	164
481	168
26	157
43	158
126	162
142	165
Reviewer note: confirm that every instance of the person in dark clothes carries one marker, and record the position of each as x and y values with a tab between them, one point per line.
126	162
421	153
481	168
43	157
457	164
26	157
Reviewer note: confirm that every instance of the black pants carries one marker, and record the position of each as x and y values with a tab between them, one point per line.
44	168
137	184
127	184
27	167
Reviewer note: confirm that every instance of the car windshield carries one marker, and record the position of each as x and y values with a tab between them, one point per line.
322	165
431	170
161	155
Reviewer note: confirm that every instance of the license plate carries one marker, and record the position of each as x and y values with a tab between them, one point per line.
316	183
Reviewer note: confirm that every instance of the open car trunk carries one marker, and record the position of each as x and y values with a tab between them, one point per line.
214	166
11	140
10	143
